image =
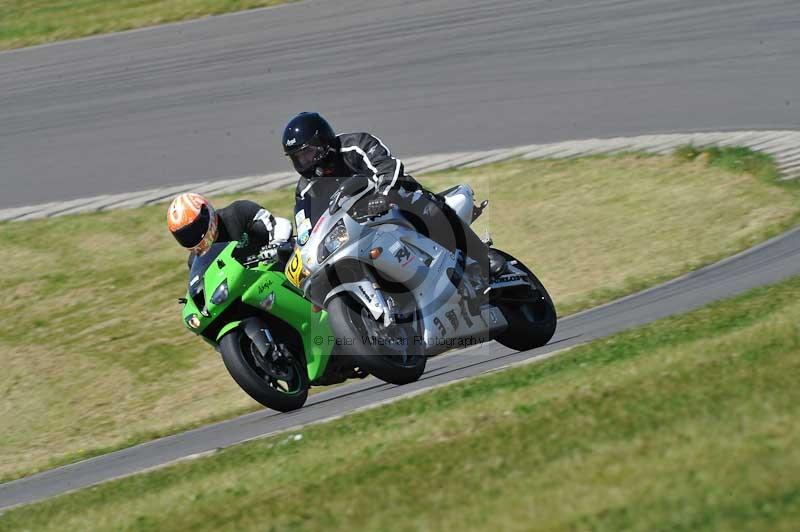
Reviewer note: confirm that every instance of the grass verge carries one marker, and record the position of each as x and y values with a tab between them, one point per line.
734	158
29	22
95	357
686	424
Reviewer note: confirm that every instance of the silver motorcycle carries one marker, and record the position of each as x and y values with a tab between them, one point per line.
394	296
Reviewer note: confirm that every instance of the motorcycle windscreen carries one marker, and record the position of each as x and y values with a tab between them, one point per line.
201	263
315	201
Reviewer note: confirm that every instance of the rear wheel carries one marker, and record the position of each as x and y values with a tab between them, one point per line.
393	354
281	385
529	310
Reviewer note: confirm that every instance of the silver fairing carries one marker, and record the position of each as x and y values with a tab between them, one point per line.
410	270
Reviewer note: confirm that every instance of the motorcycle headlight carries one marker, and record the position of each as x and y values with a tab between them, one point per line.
220	294
335	239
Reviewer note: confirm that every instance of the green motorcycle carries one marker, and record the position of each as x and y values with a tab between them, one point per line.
274	343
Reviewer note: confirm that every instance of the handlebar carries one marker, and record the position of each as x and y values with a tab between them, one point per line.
271	252
351	187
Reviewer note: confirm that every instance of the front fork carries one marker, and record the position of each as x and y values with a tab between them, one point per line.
271	353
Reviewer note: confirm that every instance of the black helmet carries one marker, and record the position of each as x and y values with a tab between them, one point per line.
308	140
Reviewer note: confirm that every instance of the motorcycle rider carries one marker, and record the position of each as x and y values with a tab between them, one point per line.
196	225
317	152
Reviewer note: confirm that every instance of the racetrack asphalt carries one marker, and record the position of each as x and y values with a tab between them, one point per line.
766	263
208	99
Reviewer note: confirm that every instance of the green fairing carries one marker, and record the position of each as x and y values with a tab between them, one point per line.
253	286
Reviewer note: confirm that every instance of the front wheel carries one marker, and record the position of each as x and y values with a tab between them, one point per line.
394	354
529	310
281	385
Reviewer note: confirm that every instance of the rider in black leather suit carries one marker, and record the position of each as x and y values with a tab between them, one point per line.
317	152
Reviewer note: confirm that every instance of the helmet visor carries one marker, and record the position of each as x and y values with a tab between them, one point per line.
307	156
192	234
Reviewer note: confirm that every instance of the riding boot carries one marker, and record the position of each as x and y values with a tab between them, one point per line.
497	264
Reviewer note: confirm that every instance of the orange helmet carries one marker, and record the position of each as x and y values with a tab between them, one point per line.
193	222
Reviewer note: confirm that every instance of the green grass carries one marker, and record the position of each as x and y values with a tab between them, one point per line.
29	22
95	356
733	158
689	423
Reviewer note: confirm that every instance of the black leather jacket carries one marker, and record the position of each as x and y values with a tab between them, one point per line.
361	154
241	222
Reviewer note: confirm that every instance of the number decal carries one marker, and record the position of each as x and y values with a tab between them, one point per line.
294	269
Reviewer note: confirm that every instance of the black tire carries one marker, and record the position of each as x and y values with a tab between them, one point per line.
239	360
347	323
530	325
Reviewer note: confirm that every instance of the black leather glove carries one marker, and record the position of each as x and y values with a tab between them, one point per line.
284	250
